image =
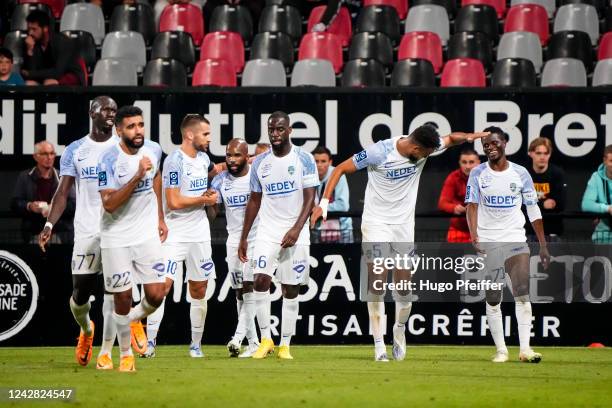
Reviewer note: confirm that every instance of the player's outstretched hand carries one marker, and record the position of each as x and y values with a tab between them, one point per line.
43	238
544	256
144	165
242	251
163	230
290	237
462	137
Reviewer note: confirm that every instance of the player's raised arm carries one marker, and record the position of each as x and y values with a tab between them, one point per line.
457	138
58	205
113	198
346	167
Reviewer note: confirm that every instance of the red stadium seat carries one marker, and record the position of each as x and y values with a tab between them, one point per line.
322	46
214	73
463	72
605	46
423	45
224	45
57	6
498	5
341	25
183	17
400	5
528	17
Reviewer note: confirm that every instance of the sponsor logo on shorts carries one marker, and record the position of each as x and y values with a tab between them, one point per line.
174	178
299	268
160	268
207	266
18	295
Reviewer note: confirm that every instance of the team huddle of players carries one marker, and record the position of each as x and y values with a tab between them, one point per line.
139	221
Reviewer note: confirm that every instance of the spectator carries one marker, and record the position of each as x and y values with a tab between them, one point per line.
261	148
50	59
549	182
333	230
453	195
597	198
33	193
7	76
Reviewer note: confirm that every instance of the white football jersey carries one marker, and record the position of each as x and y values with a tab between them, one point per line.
281	180
393	183
80	160
234	193
190	176
136	221
500	195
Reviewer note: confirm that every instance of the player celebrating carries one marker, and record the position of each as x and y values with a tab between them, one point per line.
495	192
185	179
78	167
233	189
283	183
394	170
132	226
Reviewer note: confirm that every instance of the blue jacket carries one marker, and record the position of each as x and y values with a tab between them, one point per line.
339	201
594	200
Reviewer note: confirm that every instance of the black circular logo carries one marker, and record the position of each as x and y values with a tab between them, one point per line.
18	295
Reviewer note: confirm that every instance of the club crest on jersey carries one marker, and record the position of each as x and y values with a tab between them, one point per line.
291	170
361	156
102	180
513	187
174	178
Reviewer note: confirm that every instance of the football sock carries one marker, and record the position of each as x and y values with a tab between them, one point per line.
496	326
262	306
522	309
109	331
290	314
123	333
197	314
81	315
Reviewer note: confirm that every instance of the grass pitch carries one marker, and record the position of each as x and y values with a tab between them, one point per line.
320	376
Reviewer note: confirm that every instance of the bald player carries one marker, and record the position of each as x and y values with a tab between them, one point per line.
78	168
185	184
233	189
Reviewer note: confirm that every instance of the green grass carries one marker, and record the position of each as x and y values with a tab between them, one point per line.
322	376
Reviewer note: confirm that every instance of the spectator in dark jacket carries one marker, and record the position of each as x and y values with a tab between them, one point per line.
452	196
33	193
50	59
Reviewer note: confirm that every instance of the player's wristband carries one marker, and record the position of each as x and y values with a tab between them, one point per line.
49	224
324	203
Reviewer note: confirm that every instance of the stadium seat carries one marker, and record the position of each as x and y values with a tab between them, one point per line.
232	18
224	45
125	45
165	72
562	72
528	17
84	17
449	5
284	19
571	44
21	11
313	72
57	6
608	23
605	47
465	72
375	46
134	17
183	17
341	25
498	5
422	45
478	17
174	45
413	73
322	46
110	72
86	45
429	18
383	19
578	17
549	5
264	72
600	5
401	6
362	73
514	72
273	46
214	73
471	45
521	44
602	76
15	42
